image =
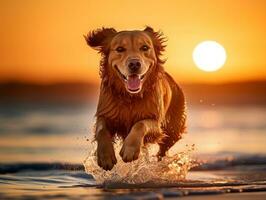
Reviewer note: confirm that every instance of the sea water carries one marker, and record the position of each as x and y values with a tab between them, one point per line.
46	151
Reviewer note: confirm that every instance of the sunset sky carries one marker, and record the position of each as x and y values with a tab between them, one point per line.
42	41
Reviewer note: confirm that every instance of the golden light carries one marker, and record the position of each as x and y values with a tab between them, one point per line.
209	56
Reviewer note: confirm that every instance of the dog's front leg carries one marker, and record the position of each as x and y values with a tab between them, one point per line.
132	144
105	150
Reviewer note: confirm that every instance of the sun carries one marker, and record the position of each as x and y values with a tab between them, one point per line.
209	56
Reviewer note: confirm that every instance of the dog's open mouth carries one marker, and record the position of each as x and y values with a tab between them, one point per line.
133	82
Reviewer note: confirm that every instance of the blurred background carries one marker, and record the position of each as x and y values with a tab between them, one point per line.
49	80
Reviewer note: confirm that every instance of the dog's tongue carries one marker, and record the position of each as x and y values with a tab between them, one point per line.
133	82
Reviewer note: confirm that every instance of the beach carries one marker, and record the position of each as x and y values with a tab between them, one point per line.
46	149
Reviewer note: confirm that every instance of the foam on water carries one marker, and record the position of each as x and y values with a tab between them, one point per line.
146	169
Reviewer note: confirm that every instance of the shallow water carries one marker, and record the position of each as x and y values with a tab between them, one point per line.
43	148
68	181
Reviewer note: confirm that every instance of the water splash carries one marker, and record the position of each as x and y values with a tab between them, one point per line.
146	169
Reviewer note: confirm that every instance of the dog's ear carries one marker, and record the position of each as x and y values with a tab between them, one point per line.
100	38
157	38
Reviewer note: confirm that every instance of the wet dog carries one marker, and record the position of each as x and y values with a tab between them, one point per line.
138	100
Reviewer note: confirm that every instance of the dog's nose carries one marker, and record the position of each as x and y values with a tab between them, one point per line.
134	65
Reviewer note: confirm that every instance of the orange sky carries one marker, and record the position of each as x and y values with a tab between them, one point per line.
42	41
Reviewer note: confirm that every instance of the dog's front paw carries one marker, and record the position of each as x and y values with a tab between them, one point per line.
106	156
131	148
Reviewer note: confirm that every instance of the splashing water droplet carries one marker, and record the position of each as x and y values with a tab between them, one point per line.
146	169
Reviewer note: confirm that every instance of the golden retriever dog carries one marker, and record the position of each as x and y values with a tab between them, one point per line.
138	100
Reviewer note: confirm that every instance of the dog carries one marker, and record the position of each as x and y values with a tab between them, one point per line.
138	101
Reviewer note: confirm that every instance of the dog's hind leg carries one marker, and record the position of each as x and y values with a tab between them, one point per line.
167	142
175	119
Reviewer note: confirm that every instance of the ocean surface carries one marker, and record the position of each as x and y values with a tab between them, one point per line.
47	152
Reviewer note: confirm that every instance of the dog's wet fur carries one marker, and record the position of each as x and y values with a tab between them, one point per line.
138	101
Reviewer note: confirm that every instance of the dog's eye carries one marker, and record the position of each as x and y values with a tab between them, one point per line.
120	49
144	48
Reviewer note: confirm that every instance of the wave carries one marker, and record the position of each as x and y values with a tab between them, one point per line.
250	161
19	167
232	161
172	168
